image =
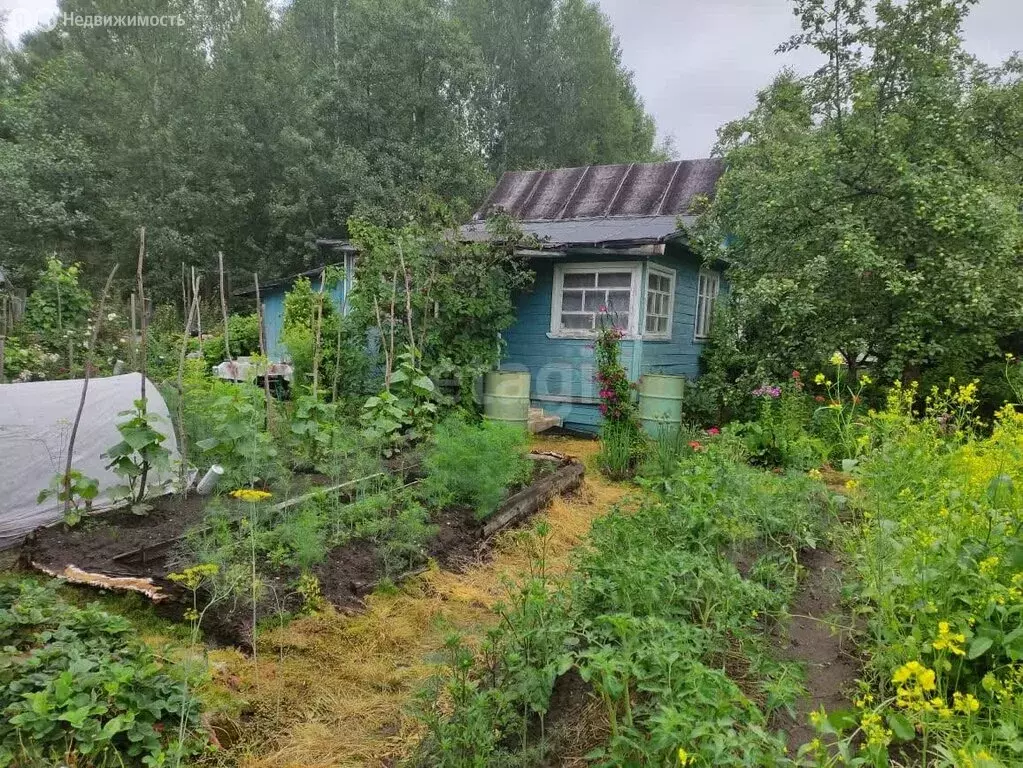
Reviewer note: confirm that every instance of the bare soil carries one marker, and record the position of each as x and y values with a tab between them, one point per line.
813	638
120	543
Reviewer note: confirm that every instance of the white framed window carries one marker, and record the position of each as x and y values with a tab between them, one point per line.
660	301
584	292
706	298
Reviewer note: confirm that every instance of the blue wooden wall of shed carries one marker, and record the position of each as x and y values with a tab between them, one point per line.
273	314
562	370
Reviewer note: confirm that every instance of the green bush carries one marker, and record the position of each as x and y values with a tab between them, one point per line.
474	465
244	339
77	687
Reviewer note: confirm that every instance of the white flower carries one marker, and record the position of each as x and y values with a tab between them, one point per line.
112	316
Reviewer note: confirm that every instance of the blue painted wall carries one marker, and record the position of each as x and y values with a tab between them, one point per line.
273	312
680	356
562	370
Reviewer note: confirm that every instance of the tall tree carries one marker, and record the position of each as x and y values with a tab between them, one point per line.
556	92
874	207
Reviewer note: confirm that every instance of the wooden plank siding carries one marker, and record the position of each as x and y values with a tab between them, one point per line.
562	370
680	355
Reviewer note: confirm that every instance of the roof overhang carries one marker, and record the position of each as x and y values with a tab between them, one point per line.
634	236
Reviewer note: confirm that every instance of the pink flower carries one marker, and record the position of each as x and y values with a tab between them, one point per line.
713	431
603	308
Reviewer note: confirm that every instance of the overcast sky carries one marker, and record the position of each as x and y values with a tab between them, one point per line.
698	63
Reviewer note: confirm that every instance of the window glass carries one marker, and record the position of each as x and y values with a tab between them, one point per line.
587	294
706	296
659	297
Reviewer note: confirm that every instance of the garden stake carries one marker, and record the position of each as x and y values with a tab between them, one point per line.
182	436
223	308
85	390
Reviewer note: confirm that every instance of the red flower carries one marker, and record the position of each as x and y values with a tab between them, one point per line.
795	375
696	445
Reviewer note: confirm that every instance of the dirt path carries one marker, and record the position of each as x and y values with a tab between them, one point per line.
334	690
813	639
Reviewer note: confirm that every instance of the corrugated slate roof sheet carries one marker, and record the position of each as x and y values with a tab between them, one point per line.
604	191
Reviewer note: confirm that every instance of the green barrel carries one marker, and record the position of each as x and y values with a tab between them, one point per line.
660	402
506	397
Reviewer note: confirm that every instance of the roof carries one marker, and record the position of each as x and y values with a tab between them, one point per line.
595	233
344	246
598	204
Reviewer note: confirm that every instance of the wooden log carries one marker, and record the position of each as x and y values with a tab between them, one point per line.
529	500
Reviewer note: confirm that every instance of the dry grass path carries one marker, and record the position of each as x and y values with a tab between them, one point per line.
334	690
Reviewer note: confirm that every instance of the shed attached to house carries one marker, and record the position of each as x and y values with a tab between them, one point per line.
610	244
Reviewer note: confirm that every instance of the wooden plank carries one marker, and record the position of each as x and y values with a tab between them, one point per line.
529	500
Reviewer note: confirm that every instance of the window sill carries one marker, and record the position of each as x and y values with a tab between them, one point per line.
569	336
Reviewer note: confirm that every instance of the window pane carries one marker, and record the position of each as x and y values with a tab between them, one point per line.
615	280
580	279
577	322
618	301
594	301
662	325
651	324
572	301
651	303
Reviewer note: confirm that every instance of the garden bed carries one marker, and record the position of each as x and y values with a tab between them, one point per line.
119	550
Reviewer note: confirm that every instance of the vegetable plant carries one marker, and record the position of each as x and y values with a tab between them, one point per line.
139	455
76	488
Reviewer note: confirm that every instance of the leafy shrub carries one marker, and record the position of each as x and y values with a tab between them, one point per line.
58	307
244	338
227	422
474	464
77	687
407	410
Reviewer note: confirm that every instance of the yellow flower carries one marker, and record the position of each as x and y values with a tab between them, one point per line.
948	640
818	379
837	359
968	704
814	473
865	380
913	679
988	564
684	758
850	484
250	494
877	735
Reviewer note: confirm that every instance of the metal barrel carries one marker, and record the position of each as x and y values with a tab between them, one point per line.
506	397
660	402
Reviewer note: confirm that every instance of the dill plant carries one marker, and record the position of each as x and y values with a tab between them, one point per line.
474	464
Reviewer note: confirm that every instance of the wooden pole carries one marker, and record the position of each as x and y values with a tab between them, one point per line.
134	332
182	436
140	287
223	308
85	390
263	352
3	341
316	343
198	311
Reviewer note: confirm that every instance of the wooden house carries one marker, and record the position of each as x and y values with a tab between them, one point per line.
609	241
